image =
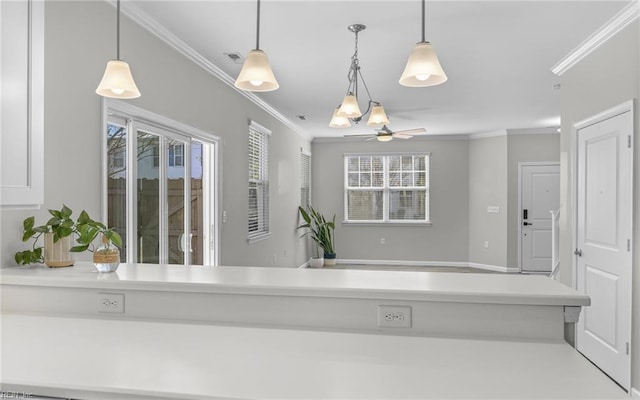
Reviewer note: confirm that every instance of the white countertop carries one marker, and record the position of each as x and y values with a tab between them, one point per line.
109	359
395	285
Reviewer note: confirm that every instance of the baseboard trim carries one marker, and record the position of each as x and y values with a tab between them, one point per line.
635	394
402	262
497	268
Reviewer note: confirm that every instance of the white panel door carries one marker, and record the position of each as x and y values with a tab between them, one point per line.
604	228
540	194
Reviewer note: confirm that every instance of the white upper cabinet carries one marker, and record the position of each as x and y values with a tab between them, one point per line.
21	103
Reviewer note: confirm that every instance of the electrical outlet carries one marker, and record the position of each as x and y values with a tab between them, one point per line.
394	316
486	244
110	303
383	241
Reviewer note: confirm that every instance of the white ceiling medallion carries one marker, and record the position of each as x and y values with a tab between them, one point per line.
619	21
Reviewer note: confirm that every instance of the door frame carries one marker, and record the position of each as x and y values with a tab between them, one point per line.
520	167
627	106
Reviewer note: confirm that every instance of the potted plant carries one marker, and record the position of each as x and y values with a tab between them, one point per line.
58	231
321	232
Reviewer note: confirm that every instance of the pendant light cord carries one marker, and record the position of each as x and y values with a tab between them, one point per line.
258	28
424	29
118	30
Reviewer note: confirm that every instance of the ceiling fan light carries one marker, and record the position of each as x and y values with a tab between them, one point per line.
384	138
117	81
338	121
349	107
378	117
256	74
423	67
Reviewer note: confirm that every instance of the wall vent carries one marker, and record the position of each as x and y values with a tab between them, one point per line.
236	58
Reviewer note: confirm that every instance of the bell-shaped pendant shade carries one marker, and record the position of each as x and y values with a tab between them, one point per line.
378	117
423	67
384	138
338	121
256	74
117	81
349	107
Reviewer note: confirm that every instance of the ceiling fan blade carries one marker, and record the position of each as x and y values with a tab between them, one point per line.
362	135
401	136
417	131
371	138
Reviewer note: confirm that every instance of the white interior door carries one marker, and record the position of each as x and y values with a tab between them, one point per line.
604	228
539	194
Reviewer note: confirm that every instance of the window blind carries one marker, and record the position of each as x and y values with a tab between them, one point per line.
258	215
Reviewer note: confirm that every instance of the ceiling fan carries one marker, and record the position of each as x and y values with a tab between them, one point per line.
385	134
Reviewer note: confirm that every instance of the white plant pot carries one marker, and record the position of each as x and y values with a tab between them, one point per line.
57	254
316	262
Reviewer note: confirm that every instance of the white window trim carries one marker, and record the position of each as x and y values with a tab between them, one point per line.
385	190
262	235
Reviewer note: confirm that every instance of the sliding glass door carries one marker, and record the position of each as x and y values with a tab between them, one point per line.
160	193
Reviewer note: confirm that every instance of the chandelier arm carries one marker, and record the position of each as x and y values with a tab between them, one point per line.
364	83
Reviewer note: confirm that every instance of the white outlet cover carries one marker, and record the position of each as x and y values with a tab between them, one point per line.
394	316
112	303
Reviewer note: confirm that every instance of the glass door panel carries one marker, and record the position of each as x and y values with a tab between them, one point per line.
178	244
117	179
197	199
148	197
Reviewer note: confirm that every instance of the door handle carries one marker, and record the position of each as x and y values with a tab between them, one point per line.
525	223
578	252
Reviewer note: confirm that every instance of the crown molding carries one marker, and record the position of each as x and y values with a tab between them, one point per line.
474	136
619	21
155	28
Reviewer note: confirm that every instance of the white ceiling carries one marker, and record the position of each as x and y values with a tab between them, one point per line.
497	55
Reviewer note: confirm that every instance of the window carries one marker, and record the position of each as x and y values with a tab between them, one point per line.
383	188
305	180
159	187
176	155
258	182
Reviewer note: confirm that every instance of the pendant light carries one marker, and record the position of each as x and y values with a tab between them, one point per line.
256	74
349	110
423	68
117	81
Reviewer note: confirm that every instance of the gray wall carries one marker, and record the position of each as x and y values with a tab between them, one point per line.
488	187
524	148
79	41
445	240
605	78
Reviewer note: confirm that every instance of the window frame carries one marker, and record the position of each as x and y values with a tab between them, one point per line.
386	189
305	178
263	196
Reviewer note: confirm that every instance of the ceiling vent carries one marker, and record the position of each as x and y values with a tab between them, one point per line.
302	117
236	58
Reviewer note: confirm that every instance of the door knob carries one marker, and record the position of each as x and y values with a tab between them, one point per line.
525	223
578	252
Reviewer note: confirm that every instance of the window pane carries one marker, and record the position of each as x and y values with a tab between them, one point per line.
197	204
394	163
378	164
407	204
394	179
407	163
354	164
378	180
407	179
365	180
176	238
420	179
354	180
365	164
148	198
117	182
365	205
418	163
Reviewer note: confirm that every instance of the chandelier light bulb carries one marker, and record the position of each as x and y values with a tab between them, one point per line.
378	117
422	77
256	74
349	107
338	121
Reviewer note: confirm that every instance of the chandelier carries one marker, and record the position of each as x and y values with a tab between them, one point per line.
349	110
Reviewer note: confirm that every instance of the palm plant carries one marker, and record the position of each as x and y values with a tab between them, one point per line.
320	230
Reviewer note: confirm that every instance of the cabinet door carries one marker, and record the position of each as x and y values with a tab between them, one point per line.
21	103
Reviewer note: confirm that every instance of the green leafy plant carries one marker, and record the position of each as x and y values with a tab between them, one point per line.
320	230
62	225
